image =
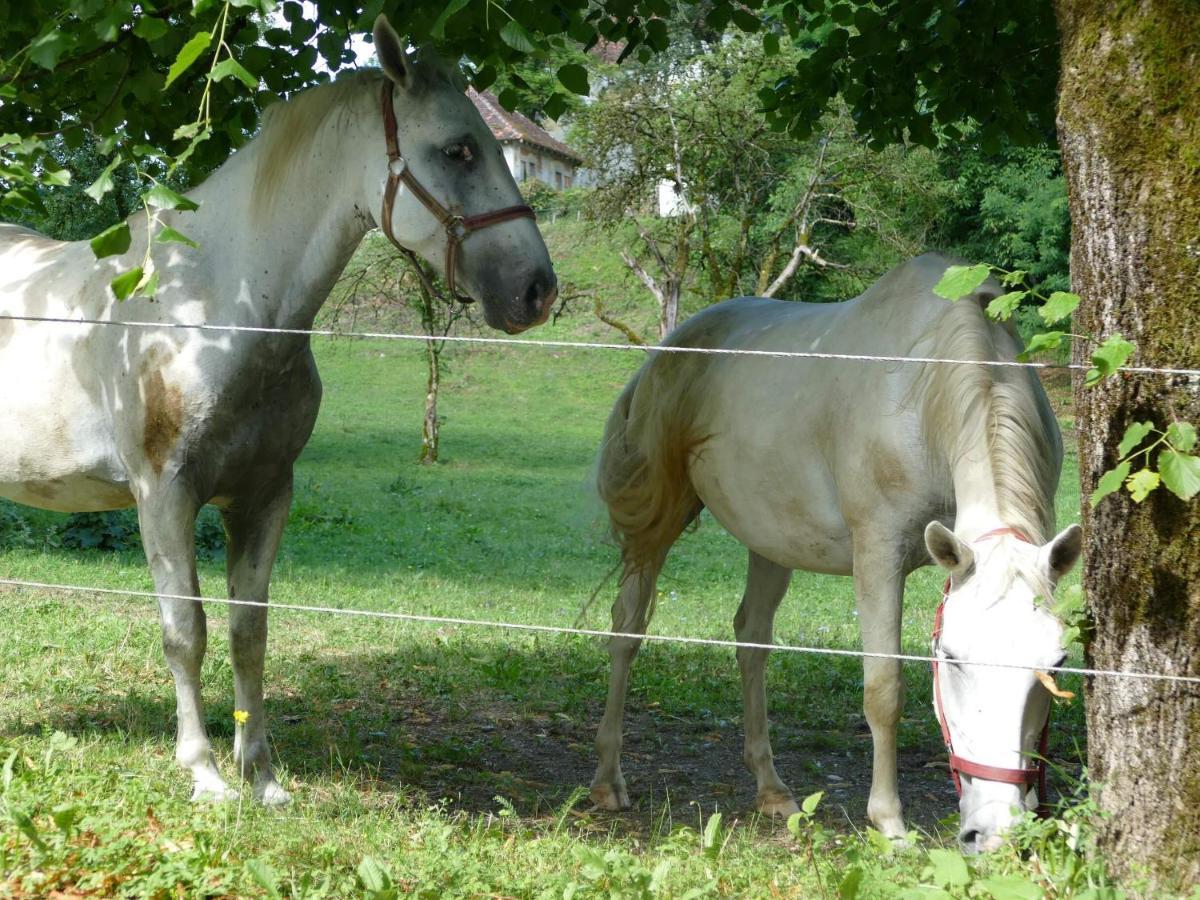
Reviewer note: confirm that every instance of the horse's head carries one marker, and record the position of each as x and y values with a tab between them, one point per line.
451	197
995	611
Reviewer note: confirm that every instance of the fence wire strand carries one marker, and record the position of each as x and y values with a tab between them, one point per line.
588	632
585	345
596	345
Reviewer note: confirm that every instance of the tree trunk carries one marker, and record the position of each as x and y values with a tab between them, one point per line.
429	429
1129	126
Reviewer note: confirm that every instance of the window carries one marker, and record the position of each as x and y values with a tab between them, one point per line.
558	180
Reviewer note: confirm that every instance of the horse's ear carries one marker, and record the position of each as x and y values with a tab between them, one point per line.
1058	556
393	58
947	550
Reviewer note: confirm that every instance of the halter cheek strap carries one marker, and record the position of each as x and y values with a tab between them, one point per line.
960	765
457	226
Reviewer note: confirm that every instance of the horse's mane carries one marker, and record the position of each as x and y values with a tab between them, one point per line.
291	128
995	407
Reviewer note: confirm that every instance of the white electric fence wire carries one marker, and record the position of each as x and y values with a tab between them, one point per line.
586	632
591	345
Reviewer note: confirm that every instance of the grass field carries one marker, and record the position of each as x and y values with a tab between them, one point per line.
448	761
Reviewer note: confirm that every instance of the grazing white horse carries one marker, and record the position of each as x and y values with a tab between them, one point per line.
855	469
102	417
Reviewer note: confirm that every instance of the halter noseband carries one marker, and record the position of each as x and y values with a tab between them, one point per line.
959	764
457	226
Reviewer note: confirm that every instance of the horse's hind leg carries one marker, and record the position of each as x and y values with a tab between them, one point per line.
168	519
630	615
254	527
879	585
766	583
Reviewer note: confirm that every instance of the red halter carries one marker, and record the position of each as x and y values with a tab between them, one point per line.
959	764
458	227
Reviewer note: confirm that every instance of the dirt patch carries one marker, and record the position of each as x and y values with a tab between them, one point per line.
477	760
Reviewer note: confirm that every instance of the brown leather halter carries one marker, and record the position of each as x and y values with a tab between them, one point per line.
959	764
457	226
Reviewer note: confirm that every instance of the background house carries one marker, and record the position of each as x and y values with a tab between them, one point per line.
529	150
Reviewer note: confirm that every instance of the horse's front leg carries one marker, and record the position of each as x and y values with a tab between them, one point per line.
766	583
254	526
167	515
879	586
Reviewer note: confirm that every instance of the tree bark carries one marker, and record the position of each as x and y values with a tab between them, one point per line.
1129	127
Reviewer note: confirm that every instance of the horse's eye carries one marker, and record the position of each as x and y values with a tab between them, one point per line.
460	152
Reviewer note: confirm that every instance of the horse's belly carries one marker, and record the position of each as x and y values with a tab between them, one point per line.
70	493
56	447
794	522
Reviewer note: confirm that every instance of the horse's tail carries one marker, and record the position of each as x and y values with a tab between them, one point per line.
643	472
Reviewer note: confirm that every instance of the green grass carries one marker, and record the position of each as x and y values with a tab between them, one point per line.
438	760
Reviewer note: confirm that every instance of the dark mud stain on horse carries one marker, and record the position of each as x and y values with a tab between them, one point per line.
164	418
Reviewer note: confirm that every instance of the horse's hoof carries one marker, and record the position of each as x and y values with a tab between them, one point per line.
776	804
270	794
212	791
611	797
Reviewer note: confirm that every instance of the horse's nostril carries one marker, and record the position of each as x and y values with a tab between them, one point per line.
969	838
540	294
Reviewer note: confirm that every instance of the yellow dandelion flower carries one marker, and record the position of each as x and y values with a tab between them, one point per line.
241	716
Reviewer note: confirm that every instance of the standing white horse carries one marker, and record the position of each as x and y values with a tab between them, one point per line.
856	469
102	417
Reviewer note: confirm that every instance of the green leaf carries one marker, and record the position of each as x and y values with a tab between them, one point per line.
809	804
1134	435
438	29
514	34
509	98
264	876
1108	357
1109	482
1002	308
190	52
1060	305
1180	473
574	78
949	868
46	49
148	287
958	281
112	241
1047	340
1011	887
231	66
169	235
555	105
126	283
59	177
770	43
149	28
848	889
374	876
1141	483
1181	436
1016	276
711	839
103	183
162	197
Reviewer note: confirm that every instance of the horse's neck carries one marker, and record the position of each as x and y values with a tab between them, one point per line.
284	260
977	507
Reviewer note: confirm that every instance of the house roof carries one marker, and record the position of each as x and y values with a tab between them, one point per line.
512	126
